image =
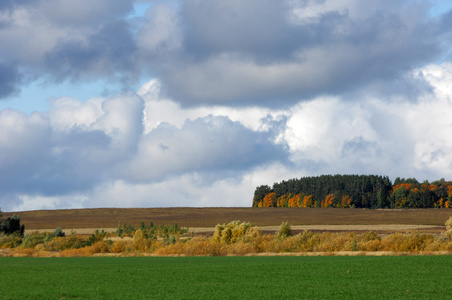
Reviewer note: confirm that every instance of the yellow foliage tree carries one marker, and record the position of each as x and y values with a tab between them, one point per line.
308	201
268	199
328	201
139	240
283	201
293	202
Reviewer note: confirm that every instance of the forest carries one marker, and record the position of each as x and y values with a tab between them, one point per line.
355	191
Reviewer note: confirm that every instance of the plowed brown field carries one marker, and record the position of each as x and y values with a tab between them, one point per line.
322	219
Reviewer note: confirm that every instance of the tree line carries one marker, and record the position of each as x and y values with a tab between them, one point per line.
360	191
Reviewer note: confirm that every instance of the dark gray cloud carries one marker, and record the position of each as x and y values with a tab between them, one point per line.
109	52
252	52
84	13
10	80
10	4
248	52
258	28
360	148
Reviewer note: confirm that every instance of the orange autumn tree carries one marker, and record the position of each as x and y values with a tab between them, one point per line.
328	201
269	199
308	201
283	201
346	201
293	202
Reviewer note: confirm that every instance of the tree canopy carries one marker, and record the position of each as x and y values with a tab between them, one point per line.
361	191
11	225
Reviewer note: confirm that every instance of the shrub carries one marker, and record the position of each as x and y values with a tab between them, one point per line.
101	247
10	241
119	246
406	242
32	240
204	246
234	231
140	242
284	231
96	237
59	232
449	227
306	241
370	236
71	241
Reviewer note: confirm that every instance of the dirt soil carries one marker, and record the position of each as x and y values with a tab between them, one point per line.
209	217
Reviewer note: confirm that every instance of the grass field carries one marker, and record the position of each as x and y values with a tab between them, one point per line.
402	277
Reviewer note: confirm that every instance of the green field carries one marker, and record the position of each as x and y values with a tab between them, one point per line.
331	277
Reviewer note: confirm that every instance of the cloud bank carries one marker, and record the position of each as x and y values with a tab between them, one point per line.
236	94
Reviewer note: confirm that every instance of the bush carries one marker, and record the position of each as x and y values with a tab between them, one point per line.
96	237
71	241
12	225
283	231
59	232
10	241
233	232
140	242
32	240
449	227
119	246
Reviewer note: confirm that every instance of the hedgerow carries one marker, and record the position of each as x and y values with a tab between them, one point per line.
234	238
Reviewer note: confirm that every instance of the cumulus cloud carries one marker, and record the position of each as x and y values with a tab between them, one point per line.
131	150
77	149
45	158
211	144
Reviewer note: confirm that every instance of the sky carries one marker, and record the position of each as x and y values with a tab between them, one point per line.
196	103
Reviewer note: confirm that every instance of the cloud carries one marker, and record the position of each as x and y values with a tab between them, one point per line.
84	13
144	150
161	33
212	144
10	78
78	148
10	4
278	53
241	53
243	93
108	52
46	158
